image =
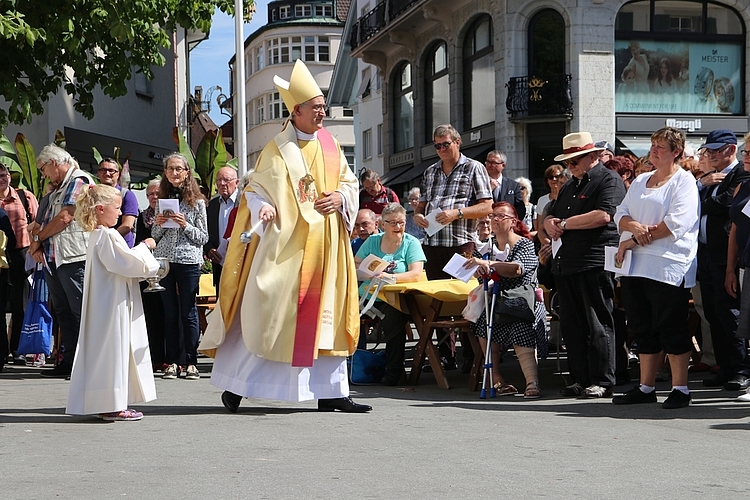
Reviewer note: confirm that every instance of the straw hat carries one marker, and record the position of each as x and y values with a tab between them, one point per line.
300	88
577	144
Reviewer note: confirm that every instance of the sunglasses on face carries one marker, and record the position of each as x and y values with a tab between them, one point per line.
442	145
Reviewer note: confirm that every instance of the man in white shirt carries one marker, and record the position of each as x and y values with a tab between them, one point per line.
218	214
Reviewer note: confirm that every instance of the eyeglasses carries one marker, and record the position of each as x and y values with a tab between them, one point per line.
222	180
394	223
573	161
500	216
108	171
44	165
153	193
483	223
489	162
745	152
176	170
711	152
553	177
443	145
318	108
523	188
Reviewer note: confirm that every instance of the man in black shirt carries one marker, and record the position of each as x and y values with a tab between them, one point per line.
582	219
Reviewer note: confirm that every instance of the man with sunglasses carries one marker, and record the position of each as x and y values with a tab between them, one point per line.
109	174
721	309
581	218
458	188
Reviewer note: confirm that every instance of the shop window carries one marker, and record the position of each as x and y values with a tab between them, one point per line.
658	69
479	74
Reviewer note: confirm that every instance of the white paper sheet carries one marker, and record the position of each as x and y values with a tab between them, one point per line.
610	263
455	267
169	204
434	226
556	244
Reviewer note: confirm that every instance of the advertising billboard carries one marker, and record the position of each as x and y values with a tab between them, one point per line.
677	77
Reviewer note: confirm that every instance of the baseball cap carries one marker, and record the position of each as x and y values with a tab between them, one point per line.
719	138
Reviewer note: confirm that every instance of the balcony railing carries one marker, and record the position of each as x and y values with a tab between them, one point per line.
371	23
537	96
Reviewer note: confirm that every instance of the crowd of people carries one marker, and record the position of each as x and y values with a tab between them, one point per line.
649	231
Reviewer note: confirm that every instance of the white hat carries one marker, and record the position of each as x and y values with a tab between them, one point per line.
577	144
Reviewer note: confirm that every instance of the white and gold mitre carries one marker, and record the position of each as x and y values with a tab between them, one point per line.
300	88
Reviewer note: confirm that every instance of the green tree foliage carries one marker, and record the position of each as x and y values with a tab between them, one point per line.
81	44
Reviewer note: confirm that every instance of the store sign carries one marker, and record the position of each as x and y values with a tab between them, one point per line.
689	125
678	77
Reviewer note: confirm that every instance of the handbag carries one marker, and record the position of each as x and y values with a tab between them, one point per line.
36	333
367	367
514	305
474	304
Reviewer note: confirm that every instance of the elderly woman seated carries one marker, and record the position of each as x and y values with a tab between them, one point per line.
404	253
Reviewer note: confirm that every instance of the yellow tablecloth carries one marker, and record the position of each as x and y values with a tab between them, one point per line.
453	293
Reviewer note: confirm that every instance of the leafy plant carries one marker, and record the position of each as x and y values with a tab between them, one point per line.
20	159
210	157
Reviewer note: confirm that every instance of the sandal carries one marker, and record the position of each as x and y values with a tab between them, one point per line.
503	389
532	391
124	415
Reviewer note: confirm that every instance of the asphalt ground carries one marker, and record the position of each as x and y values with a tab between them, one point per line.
418	442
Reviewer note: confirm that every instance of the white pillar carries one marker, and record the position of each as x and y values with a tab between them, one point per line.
240	122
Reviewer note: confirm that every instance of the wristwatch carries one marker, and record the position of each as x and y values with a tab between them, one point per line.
563	223
36	237
460	214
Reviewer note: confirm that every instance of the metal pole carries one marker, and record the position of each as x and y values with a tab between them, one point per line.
240	128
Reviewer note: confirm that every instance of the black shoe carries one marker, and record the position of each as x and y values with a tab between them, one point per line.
231	401
738	383
342	404
676	399
635	396
60	371
19	359
717	381
448	365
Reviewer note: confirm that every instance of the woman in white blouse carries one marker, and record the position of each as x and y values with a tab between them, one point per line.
658	222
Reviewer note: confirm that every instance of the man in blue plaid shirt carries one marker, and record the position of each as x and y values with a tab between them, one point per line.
459	189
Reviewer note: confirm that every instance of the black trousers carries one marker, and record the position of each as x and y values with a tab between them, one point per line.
587	325
657	315
723	314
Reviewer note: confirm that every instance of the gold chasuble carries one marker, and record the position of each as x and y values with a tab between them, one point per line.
294	288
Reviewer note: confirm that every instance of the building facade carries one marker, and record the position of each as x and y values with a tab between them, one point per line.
519	75
307	30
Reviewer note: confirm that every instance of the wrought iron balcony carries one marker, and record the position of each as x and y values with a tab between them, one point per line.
539	97
371	23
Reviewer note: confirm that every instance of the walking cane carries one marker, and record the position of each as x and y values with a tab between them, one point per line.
488	313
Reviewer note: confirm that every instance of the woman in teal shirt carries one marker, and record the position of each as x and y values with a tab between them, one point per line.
404	252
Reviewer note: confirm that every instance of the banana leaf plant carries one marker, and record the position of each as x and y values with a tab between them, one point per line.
20	159
210	157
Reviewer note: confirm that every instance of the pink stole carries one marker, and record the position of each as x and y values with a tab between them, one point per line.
311	275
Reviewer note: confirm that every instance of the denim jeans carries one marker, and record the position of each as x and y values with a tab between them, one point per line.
180	312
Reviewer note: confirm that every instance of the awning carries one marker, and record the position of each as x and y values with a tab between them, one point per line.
640	145
364	86
392	174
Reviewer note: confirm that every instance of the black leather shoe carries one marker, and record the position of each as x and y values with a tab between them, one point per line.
342	404
231	401
738	383
60	371
717	381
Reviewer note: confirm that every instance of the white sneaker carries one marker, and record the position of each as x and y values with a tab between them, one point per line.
745	398
171	372
39	360
192	373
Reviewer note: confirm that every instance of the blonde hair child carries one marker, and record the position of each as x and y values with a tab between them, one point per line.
112	367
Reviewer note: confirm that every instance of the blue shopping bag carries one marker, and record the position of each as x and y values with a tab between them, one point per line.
367	367
36	333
